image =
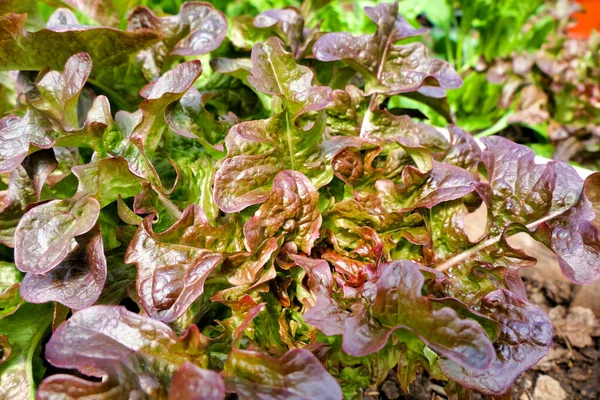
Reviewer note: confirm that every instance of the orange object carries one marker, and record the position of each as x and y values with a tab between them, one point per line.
587	20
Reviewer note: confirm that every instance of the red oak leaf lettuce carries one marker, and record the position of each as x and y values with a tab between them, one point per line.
173	265
386	67
135	354
197	29
258	150
526	337
264	184
77	281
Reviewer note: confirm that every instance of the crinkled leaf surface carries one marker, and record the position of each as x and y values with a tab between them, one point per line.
21	193
548	197
16	133
193	383
173	265
169	88
59	92
46	233
52	46
135	353
445	183
53	111
197	29
296	182
398	304
298	374
388	68
77	281
99	337
287	22
258	150
526	337
290	210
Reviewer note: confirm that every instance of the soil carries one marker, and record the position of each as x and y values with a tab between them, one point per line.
570	371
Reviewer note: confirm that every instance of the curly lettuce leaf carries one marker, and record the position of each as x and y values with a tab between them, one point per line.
46	233
398	304
134	353
545	200
526	337
173	265
258	150
386	67
82	272
197	29
290	210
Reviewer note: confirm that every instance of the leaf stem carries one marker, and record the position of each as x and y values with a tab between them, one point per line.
459	258
169	205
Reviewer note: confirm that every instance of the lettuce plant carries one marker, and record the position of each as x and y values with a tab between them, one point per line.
186	215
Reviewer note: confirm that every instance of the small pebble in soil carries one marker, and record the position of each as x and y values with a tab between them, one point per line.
391	390
548	388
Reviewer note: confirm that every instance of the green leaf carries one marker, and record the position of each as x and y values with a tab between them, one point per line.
23	369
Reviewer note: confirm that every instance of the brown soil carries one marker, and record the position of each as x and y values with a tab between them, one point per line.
574	360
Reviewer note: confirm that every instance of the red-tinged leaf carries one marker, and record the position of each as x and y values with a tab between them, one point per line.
105	12
100	337
326	314
53	111
445	183
21	193
169	88
544	200
59	92
16	133
52	46
525	337
71	387
549	198
398	304
46	233
575	239
134	354
77	281
350	113
173	265
243	268
197	29
193	383
38	167
298	374
207	27
290	210
287	22
386	67
258	150
463	152
347	219
275	72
